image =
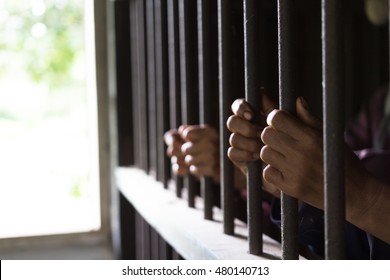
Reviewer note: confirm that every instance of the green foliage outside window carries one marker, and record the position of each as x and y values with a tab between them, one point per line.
45	34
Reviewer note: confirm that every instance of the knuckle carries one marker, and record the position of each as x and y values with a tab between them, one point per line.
236	105
265	153
188	159
186	147
232	154
266	134
230	123
268	174
276	117
232	139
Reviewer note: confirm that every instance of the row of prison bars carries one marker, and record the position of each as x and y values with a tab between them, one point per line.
185	58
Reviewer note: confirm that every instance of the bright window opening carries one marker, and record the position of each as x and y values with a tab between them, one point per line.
48	168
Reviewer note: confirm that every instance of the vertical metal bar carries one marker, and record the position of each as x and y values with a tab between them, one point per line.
252	94
175	255
289	205
388	18
146	240
333	115
189	76
128	229
162	86
135	77
174	76
226	98
140	105
207	84
120	78
165	251
154	244
152	104
138	237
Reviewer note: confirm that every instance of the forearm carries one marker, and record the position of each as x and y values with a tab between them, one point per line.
368	206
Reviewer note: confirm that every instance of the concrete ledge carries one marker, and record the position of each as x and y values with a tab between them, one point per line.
184	228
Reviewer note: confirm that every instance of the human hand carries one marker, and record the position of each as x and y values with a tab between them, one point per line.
293	153
174	142
201	150
194	149
245	138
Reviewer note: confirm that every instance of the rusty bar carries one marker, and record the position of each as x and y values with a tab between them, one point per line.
189	77
207	84
162	87
333	115
174	76
287	96
226	98
252	95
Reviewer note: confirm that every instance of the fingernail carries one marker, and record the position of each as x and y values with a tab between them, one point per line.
248	116
304	103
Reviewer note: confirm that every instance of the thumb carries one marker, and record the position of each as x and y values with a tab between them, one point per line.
305	115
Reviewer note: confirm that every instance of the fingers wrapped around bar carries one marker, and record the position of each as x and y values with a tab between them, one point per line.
194	149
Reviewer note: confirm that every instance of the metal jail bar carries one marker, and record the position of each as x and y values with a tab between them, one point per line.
162	87
155	60
207	83
152	104
189	76
174	76
226	88
252	94
289	205
148	243
140	88
120	84
333	115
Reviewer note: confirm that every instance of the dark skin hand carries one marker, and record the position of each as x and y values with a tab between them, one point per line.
194	149
245	143
293	153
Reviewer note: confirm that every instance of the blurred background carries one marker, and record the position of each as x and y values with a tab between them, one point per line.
48	160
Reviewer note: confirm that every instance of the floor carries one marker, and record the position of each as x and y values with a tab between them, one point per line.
84	252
